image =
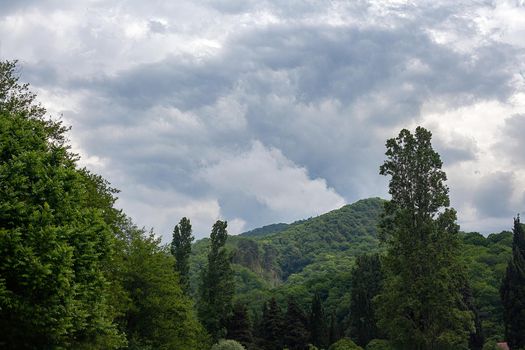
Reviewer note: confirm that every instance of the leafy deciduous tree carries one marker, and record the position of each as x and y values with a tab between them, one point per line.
158	314
54	242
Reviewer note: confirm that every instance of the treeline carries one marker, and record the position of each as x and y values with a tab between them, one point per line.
76	273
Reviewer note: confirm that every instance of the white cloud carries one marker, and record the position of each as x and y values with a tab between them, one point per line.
161	209
274	181
236	226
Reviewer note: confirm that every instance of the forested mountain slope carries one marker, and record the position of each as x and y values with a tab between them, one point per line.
318	254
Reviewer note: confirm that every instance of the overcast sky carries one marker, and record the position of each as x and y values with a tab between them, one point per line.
260	112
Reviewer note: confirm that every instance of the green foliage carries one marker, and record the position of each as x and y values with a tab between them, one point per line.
295	323
318	329
490	345
330	272
266	230
513	291
379	344
421	305
217	286
367	279
334	330
344	344
157	314
239	325
227	345
75	273
54	243
476	337
17	98
272	326
181	250
486	260
333	240
347	229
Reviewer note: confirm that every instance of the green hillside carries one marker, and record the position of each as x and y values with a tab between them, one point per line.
280	250
347	231
266	230
318	254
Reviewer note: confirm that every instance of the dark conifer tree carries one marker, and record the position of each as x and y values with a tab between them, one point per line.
513	291
296	333
367	278
318	331
476	338
217	288
181	250
333	330
272	326
239	326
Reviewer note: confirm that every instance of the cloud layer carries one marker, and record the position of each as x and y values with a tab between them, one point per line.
259	111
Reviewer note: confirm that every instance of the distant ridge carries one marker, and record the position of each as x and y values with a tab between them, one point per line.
265	230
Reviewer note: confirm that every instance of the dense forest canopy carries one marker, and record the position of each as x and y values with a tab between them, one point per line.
77	273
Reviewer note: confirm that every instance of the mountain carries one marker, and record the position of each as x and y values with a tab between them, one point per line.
275	259
351	230
318	254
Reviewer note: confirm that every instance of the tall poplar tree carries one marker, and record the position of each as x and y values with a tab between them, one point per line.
421	305
513	291
181	250
217	288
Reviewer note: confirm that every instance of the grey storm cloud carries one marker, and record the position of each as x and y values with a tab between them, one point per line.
493	196
285	119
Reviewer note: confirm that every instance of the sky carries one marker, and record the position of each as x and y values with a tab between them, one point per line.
259	111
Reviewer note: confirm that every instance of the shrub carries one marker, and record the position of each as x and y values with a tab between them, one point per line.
379	344
344	344
227	344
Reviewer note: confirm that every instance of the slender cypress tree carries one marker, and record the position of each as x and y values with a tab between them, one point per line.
272	325
333	330
181	250
217	286
296	334
513	291
476	338
318	331
367	279
239	326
